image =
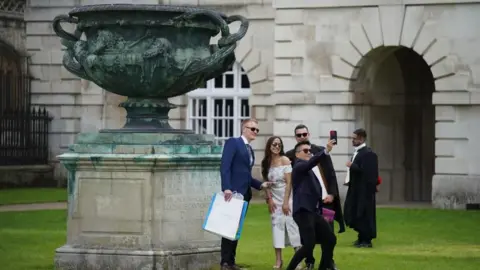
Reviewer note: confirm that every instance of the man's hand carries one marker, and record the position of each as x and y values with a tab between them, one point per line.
348	164
266	184
330	144
228	195
286	209
328	199
271	206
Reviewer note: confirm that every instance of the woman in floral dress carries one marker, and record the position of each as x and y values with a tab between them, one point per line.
276	168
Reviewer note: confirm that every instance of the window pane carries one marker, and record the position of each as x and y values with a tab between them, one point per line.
199	107
244	108
229	81
245	81
219	82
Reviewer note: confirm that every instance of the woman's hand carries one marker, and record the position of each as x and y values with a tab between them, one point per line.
271	206
286	209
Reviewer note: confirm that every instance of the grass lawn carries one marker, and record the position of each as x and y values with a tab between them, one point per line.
32	195
408	239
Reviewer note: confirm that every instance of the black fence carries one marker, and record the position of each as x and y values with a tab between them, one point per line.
24	137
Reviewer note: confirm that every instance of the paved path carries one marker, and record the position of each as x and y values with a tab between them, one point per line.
33	207
63	205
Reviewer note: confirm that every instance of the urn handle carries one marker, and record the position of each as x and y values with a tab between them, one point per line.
226	44
69	40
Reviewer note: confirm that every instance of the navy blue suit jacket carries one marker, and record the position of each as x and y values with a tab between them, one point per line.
236	168
307	191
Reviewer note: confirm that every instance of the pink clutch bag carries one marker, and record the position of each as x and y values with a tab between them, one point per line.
328	214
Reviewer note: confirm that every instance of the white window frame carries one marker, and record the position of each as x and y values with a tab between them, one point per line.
210	93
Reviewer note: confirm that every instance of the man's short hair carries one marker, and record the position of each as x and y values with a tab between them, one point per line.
297	146
301	126
360	133
250	120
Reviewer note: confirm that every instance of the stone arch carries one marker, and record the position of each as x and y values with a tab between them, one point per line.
390	26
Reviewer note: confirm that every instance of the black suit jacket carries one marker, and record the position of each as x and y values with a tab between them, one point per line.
331	179
307	192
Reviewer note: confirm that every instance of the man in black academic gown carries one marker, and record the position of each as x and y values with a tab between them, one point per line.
360	205
328	172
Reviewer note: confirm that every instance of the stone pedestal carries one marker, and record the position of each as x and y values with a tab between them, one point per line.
138	201
455	191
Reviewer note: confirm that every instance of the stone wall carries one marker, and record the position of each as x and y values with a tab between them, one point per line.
318	45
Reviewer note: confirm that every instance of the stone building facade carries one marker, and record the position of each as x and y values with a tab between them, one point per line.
406	70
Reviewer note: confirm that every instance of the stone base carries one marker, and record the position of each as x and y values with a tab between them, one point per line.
455	191
68	258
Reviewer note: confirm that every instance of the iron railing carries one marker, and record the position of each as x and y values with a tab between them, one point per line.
24	137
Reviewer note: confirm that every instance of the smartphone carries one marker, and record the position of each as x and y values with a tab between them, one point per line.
333	136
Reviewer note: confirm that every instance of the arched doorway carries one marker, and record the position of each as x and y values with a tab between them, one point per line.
394	86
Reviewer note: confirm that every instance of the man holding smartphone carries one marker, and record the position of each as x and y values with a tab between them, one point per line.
328	176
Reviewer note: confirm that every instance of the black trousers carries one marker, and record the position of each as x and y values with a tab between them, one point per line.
229	247
311	260
313	229
364	231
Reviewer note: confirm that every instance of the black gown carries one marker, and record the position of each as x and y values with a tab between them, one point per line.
360	205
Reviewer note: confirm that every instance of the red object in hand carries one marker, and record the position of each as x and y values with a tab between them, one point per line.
379	182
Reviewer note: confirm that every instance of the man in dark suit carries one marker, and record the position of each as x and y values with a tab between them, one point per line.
238	159
307	207
360	203
328	174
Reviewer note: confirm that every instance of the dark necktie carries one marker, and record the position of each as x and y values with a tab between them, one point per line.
250	152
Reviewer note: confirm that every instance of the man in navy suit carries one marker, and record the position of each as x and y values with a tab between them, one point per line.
236	174
307	207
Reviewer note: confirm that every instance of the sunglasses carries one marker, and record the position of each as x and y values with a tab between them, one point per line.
256	130
306	151
276	144
300	135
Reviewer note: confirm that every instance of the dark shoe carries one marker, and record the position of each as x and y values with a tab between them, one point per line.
356	242
226	267
235	267
309	266
364	245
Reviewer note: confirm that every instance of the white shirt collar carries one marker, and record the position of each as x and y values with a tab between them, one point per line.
244	139
360	147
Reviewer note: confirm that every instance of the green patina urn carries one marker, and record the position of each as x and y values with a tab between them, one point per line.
148	53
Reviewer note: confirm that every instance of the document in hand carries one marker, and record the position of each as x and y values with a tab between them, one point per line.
226	218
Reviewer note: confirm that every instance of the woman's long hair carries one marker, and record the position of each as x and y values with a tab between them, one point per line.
267	157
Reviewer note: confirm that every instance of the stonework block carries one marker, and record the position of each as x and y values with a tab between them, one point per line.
370	18
261	100
284	128
65	125
283	33
455	191
342	112
47	99
289	16
44	14
262	88
283	112
329	83
359	39
340	68
346	51
283	66
259	74
412	24
445	148
445	113
291	98
475	98
451	165
457	82
295	49
307	112
450	130
50	3
391	20
335	98
451	98
437	51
